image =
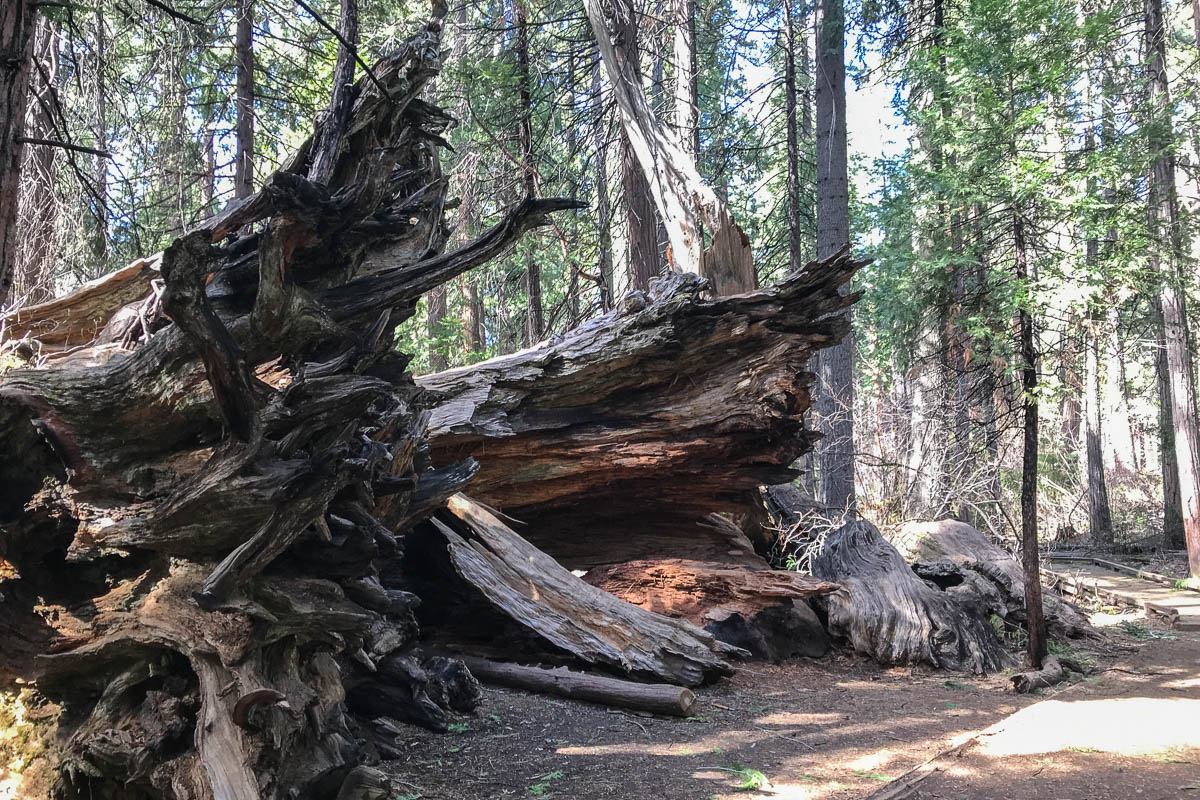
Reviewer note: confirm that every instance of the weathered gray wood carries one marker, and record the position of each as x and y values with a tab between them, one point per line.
656	698
992	580
532	589
887	612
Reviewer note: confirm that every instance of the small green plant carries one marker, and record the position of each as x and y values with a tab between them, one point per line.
956	686
875	776
1142	633
458	727
413	796
752	779
952	706
543	785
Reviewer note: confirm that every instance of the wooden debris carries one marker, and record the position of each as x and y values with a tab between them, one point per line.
532	589
1050	674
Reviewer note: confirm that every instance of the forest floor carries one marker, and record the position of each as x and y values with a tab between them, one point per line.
841	727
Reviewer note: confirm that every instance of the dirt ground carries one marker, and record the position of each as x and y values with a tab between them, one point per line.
842	727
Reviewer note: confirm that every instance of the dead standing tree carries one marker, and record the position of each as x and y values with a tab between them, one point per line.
204	520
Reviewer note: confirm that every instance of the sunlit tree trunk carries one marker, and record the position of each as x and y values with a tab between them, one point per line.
687	111
1182	395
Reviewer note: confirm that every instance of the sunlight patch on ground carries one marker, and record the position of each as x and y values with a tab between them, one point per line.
1127	726
871	761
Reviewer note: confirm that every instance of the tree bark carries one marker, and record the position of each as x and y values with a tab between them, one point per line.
835	454
687	108
603	204
639	208
535	321
796	226
37	214
1171	298
1099	515
243	176
16	51
887	612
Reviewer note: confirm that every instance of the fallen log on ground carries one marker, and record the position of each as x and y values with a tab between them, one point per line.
887	612
656	698
1050	674
980	574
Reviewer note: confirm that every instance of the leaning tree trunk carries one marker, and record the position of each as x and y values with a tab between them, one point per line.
200	514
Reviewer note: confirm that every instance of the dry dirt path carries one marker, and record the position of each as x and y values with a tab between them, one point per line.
839	727
1185	602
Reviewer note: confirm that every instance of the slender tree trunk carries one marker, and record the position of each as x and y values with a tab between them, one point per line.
99	163
836	451
1099	514
16	43
1171	297
1029	464
38	211
208	184
243	177
535	323
604	262
687	109
796	242
639	206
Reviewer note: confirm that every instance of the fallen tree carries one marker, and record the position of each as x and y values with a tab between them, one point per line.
615	444
219	490
200	510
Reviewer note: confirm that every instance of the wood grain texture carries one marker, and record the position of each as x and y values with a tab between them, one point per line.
887	612
531	588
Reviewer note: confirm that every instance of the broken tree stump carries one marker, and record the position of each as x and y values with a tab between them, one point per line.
887	612
656	698
980	575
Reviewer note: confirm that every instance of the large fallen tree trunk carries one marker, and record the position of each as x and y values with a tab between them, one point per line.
616	443
200	516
